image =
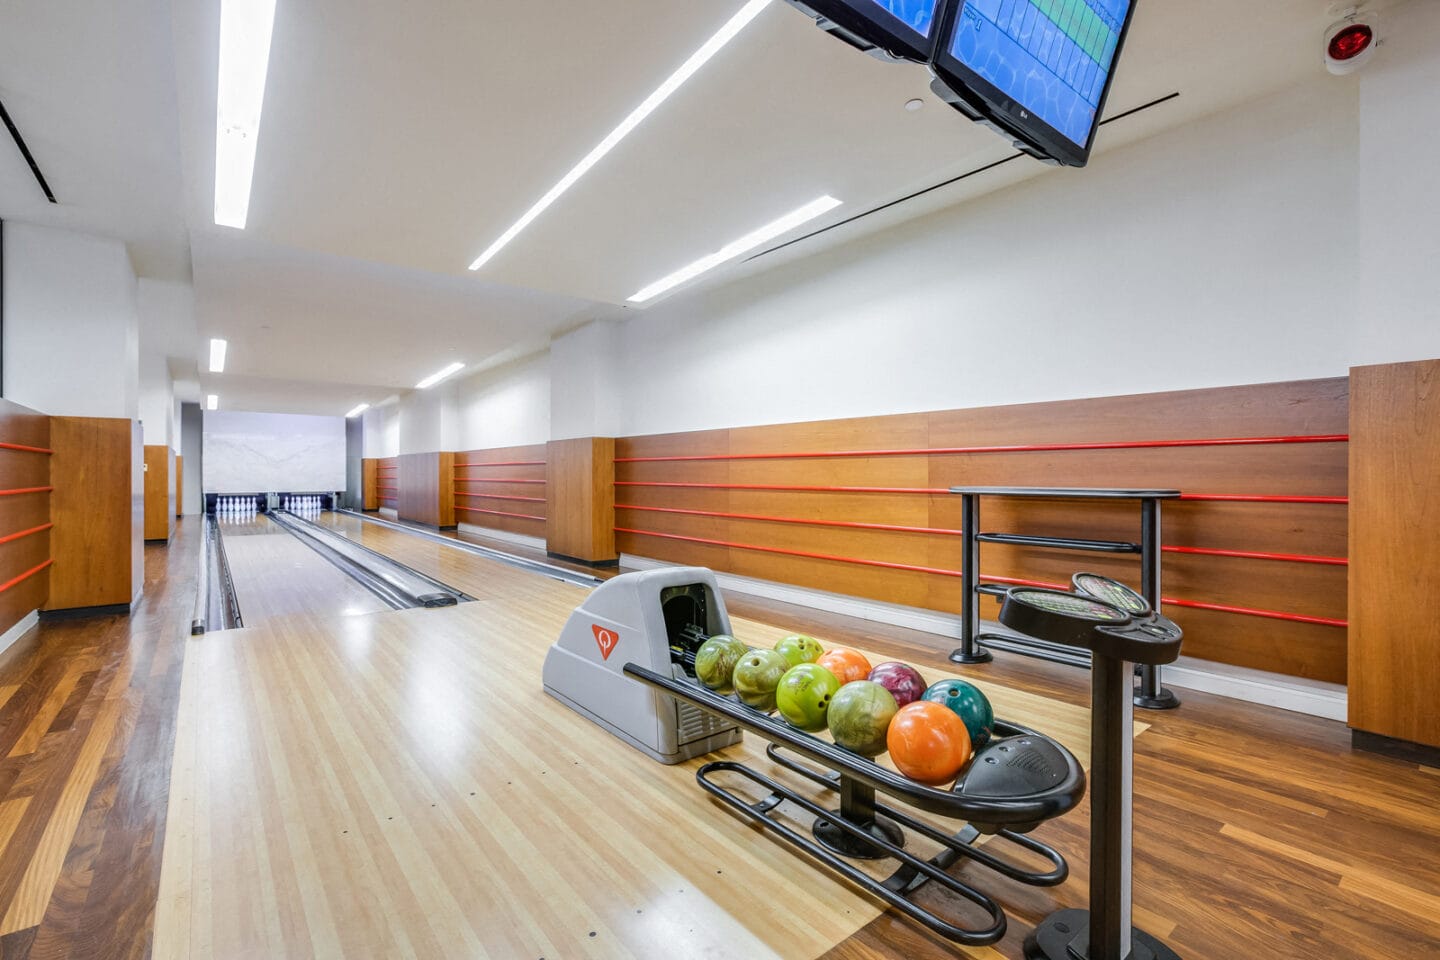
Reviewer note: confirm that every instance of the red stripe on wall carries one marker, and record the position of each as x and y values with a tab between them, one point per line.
848	524
504	463
25	533
24	576
1246	611
1255	555
1260	498
500	496
770	486
19	490
25	449
499	513
494	480
1008	448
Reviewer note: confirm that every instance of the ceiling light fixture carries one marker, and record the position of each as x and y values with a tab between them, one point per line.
735	248
357	411
245	27
217	355
687	69
212	402
436	377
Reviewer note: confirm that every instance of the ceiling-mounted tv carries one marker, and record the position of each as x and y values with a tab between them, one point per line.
1038	70
900	29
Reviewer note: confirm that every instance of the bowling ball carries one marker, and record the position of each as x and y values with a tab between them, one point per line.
803	696
928	743
860	716
902	680
798	649
715	661
969	704
847	665
756	676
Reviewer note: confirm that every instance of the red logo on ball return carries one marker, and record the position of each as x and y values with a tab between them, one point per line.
607	640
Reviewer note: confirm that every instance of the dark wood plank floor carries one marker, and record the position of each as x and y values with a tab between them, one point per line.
1259	833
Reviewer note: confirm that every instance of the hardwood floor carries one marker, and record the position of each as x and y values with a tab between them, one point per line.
1259	833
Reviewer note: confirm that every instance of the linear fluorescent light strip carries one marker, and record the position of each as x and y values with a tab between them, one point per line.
212	402
687	69
245	27
357	411
217	355
435	378
735	248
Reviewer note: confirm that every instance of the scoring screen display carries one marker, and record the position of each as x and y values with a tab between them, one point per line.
918	15
1052	57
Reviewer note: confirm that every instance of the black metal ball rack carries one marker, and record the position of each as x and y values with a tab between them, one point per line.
1051	782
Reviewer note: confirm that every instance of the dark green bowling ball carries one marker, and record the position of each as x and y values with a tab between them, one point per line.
969	704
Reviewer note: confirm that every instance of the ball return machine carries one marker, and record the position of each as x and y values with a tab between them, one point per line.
629	649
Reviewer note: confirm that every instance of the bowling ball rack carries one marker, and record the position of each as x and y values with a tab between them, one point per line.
1016	782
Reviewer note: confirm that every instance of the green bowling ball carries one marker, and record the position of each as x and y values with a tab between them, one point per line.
715	661
803	697
756	676
798	649
969	703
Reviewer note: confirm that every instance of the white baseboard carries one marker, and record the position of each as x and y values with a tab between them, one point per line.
389	513
23	626
520	539
1296	694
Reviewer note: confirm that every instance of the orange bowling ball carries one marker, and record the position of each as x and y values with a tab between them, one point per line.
847	665
928	743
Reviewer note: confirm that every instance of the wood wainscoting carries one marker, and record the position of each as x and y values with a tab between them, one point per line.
25	520
1255	553
1394	551
369	495
159	493
580	485
387	483
426	489
502	488
98	511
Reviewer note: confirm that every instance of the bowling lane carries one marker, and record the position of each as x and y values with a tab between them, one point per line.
276	575
481	578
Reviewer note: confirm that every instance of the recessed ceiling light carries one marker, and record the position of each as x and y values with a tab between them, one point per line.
735	248
212	402
439	375
686	70
357	411
245	27
217	355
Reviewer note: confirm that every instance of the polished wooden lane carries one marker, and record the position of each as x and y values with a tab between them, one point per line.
277	575
1258	832
409	766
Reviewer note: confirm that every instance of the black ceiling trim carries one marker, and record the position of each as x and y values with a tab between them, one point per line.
945	183
25	152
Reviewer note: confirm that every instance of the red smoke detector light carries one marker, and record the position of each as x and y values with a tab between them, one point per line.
1350	42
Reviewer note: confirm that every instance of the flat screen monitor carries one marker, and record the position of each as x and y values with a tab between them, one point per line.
1037	69
902	28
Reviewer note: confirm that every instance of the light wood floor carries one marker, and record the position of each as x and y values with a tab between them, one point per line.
277	575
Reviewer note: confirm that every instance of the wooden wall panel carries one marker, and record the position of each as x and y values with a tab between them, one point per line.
1395	551
94	508
773	512
387	483
502	488
159	492
580	480
425	489
369	495
25	522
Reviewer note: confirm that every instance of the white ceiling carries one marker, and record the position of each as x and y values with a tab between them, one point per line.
399	140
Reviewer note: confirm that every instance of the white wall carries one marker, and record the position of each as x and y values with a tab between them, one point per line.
157	400
508	406
382	431
1398	314
1204	256
71	323
586	395
260	452
427	420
